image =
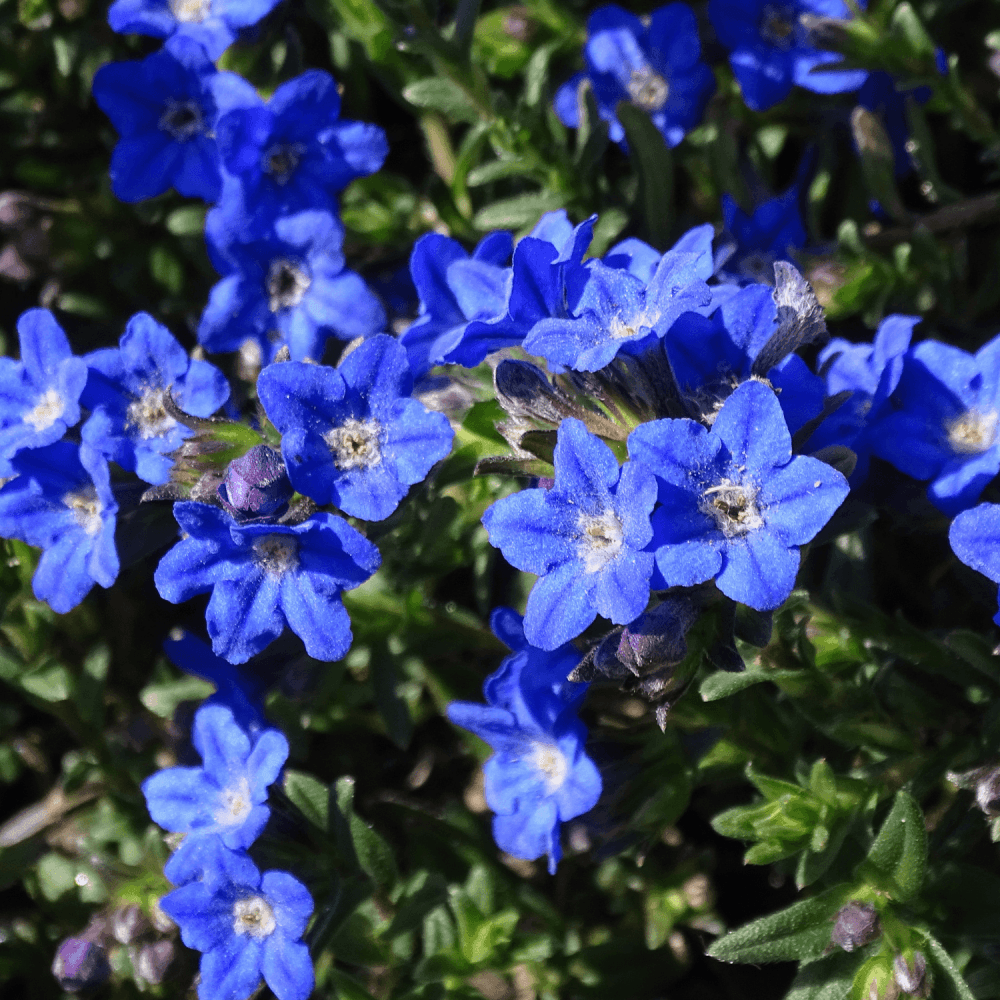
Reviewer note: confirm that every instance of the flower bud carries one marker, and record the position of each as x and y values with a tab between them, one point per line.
256	486
128	923
911	974
154	959
80	965
857	924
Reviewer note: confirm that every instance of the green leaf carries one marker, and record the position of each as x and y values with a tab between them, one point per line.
373	853
188	220
907	27
518	212
898	858
802	931
722	683
365	21
310	796
500	50
437	93
393	709
497	170
654	166
163	699
948	981
828	979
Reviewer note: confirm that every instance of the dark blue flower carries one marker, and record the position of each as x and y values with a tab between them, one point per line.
584	537
454	289
225	797
945	419
211	23
539	775
293	153
61	501
616	309
264	576
975	539
352	435
770	49
887	98
40	394
654	65
163	109
256	487
735	505
286	284
773	232
125	392
247	925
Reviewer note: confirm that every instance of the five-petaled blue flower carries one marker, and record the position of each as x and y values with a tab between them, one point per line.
163	109
655	66
225	797
211	23
286	281
126	389
772	233
293	153
945	422
40	394
584	537
352	435
539	775
61	500
735	505
264	576
248	926
771	49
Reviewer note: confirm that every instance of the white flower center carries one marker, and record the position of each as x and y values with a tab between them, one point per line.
49	408
600	539
733	507
973	432
190	11
148	415
253	915
287	283
234	804
622	329
86	508
551	763
276	554
647	89
355	444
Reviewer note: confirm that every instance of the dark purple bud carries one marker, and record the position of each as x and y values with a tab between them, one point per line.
857	924
80	965
256	486
154	959
911	974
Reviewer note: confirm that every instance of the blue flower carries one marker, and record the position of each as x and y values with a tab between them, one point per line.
616	309
584	537
655	66
125	392
240	691
885	96
351	435
539	775
772	233
946	414
735	505
61	500
211	23
247	925
256	486
287	283
264	576
870	372
40	394
454	289
770	48
975	539
163	109
293	153
227	795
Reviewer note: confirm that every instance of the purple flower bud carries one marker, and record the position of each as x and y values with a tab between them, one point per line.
256	486
128	923
80	965
911	974
154	959
857	924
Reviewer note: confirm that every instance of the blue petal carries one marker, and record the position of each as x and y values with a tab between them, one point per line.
287	967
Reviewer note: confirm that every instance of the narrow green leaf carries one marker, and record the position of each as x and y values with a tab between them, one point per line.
948	981
437	93
497	170
828	979
654	166
373	853
722	683
802	931
310	796
898	858
518	212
